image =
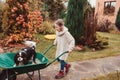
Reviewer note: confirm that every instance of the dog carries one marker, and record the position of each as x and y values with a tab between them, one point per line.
25	55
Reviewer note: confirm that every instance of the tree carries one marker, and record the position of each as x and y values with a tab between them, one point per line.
55	8
75	19
81	23
35	4
90	23
118	20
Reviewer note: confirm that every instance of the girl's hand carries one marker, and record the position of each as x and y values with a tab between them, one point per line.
70	51
54	44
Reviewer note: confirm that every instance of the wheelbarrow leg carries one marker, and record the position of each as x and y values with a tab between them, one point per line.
29	76
39	78
7	75
39	74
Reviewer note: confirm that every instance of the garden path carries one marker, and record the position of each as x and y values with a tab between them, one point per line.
80	70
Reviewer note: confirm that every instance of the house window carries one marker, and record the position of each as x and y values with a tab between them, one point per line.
109	7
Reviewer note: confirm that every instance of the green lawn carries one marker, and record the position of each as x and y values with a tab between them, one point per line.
112	50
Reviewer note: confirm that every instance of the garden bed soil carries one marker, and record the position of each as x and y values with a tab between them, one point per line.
11	47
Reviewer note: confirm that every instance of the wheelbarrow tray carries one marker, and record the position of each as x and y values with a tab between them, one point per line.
7	62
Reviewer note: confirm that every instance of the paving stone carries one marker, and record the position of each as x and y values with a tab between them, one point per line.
80	70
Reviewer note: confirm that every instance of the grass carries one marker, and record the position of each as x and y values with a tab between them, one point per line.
87	54
111	76
44	44
112	50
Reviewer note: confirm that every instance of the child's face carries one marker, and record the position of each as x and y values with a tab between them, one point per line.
58	28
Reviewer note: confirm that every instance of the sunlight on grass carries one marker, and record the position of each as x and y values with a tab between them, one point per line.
112	50
44	44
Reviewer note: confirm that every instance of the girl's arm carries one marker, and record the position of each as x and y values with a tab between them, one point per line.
55	42
71	41
71	46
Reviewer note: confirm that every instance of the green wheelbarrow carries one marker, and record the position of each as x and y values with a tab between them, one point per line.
9	72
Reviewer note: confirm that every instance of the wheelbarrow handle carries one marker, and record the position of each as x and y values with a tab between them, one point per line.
48	49
57	58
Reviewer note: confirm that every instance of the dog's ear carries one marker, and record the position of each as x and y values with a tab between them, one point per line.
15	56
15	60
33	47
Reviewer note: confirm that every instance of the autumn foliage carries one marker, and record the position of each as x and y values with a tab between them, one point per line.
35	21
22	23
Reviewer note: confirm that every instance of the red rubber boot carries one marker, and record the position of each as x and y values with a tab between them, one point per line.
60	75
67	67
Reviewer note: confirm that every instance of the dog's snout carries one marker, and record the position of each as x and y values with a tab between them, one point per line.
20	59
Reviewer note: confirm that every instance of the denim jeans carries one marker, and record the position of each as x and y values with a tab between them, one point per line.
62	64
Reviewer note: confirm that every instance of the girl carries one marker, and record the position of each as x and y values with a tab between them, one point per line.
64	42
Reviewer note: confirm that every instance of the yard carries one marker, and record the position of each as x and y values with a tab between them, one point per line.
112	50
21	20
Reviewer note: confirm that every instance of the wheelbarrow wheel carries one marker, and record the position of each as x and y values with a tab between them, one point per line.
3	75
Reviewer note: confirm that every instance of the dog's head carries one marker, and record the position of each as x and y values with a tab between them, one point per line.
21	56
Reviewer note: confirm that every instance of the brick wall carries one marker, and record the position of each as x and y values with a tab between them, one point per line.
99	11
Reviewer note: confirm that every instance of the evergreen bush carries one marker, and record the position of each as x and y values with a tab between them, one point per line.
118	20
75	19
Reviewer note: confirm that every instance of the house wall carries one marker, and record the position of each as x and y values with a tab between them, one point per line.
99	11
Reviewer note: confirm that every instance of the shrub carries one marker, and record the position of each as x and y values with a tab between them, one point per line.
1	14
113	29
47	28
103	25
118	20
35	20
92	39
18	22
99	43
